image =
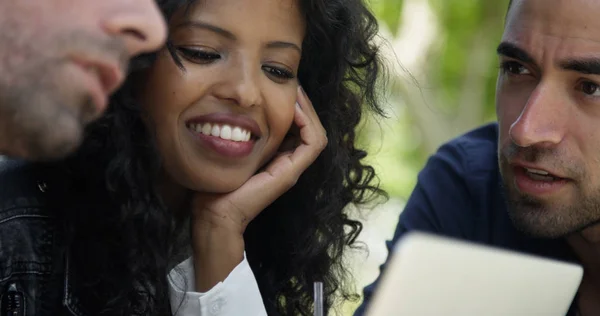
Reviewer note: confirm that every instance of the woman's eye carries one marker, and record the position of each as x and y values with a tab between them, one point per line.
199	56
514	68
279	75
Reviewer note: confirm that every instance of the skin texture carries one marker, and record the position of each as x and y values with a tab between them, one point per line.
548	106
237	74
239	69
47	91
547	112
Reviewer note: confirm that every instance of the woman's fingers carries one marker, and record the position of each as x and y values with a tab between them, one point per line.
283	171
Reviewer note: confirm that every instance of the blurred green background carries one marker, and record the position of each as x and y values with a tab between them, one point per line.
442	76
443	67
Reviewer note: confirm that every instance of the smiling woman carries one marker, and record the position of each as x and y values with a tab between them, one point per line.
227	78
218	179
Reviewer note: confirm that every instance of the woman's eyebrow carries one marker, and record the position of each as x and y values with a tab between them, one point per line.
229	35
282	44
209	27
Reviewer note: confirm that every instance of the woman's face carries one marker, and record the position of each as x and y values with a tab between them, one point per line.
224	113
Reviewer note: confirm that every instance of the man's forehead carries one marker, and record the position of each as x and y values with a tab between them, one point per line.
560	18
533	24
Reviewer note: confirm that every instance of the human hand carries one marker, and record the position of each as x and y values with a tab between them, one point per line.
233	211
219	220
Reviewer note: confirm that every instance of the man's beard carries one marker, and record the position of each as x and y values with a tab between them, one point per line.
41	118
43	110
540	218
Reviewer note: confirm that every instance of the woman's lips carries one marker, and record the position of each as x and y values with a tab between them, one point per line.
220	140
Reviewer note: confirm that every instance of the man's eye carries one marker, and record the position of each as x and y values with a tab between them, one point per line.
514	68
198	55
590	88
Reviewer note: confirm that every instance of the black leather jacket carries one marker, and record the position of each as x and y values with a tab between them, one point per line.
34	273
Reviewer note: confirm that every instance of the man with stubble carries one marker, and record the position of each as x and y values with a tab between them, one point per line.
529	182
59	62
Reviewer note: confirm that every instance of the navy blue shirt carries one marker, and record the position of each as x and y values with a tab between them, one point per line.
459	194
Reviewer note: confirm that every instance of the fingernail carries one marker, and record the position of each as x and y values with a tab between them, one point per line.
298	105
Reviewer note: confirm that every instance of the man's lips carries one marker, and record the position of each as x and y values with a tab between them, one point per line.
538	170
110	74
536	182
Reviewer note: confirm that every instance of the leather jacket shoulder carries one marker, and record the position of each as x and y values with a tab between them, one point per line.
32	251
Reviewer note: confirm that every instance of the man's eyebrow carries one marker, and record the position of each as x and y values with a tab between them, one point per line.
588	66
209	27
515	52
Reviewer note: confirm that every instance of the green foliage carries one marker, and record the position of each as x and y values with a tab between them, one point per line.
388	12
461	59
464	24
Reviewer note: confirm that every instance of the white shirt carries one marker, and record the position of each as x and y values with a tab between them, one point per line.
237	295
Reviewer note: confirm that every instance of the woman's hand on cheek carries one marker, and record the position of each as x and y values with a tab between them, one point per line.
219	220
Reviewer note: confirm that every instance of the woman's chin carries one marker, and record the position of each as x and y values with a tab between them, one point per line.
220	186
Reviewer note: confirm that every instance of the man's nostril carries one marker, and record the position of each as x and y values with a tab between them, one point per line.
135	34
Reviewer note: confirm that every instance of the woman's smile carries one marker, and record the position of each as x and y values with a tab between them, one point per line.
227	135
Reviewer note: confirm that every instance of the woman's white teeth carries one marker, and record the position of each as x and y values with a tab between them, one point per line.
238	135
216	131
204	129
227	132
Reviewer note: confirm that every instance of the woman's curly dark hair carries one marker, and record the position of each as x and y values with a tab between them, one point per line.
125	240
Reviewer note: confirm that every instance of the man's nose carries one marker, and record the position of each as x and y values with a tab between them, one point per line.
543	120
139	24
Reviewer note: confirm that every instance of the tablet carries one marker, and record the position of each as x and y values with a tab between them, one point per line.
430	275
